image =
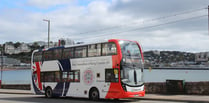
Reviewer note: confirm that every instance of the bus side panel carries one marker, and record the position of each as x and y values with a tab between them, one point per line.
36	85
50	66
59	88
116	90
38	70
95	67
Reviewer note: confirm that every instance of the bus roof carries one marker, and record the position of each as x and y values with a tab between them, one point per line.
76	45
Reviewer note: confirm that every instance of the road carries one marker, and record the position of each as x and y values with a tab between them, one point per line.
29	98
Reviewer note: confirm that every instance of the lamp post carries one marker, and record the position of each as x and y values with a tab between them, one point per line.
2	63
48	29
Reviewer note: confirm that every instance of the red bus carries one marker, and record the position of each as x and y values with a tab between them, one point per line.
109	69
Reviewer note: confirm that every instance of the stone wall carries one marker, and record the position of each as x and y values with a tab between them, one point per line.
21	87
197	88
155	88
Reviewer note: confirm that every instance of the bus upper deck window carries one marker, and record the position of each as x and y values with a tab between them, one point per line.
109	49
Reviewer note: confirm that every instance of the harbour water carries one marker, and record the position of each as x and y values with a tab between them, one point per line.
16	76
154	75
161	75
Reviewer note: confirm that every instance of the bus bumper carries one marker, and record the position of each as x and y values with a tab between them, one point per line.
134	94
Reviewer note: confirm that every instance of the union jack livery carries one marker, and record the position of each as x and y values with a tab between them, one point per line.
111	69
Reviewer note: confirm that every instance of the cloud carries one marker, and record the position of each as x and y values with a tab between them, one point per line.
44	4
181	41
150	8
104	19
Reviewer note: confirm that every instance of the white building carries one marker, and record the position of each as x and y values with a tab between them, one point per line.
202	57
66	41
156	52
10	49
41	43
24	48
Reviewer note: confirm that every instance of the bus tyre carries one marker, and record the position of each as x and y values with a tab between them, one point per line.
94	94
48	92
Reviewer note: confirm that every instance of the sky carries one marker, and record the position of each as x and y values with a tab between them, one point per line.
173	25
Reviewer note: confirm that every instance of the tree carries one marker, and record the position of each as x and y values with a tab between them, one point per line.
1	49
17	44
35	46
10	43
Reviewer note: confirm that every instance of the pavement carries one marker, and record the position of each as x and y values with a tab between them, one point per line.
177	98
154	97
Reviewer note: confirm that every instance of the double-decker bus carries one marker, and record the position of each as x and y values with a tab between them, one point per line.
111	69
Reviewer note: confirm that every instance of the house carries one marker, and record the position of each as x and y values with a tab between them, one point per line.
202	57
10	48
23	48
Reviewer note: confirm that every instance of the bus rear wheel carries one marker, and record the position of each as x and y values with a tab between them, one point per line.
94	94
48	92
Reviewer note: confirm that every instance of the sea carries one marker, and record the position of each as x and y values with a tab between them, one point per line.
150	75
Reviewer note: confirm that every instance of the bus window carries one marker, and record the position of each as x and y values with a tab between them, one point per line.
64	76
111	75
48	55
71	77
57	76
109	49
77	76
37	57
68	53
80	52
57	54
42	77
94	50
49	77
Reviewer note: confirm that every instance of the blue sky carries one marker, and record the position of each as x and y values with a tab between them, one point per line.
84	20
23	4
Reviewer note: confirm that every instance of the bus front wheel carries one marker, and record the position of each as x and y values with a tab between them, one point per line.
94	94
48	92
